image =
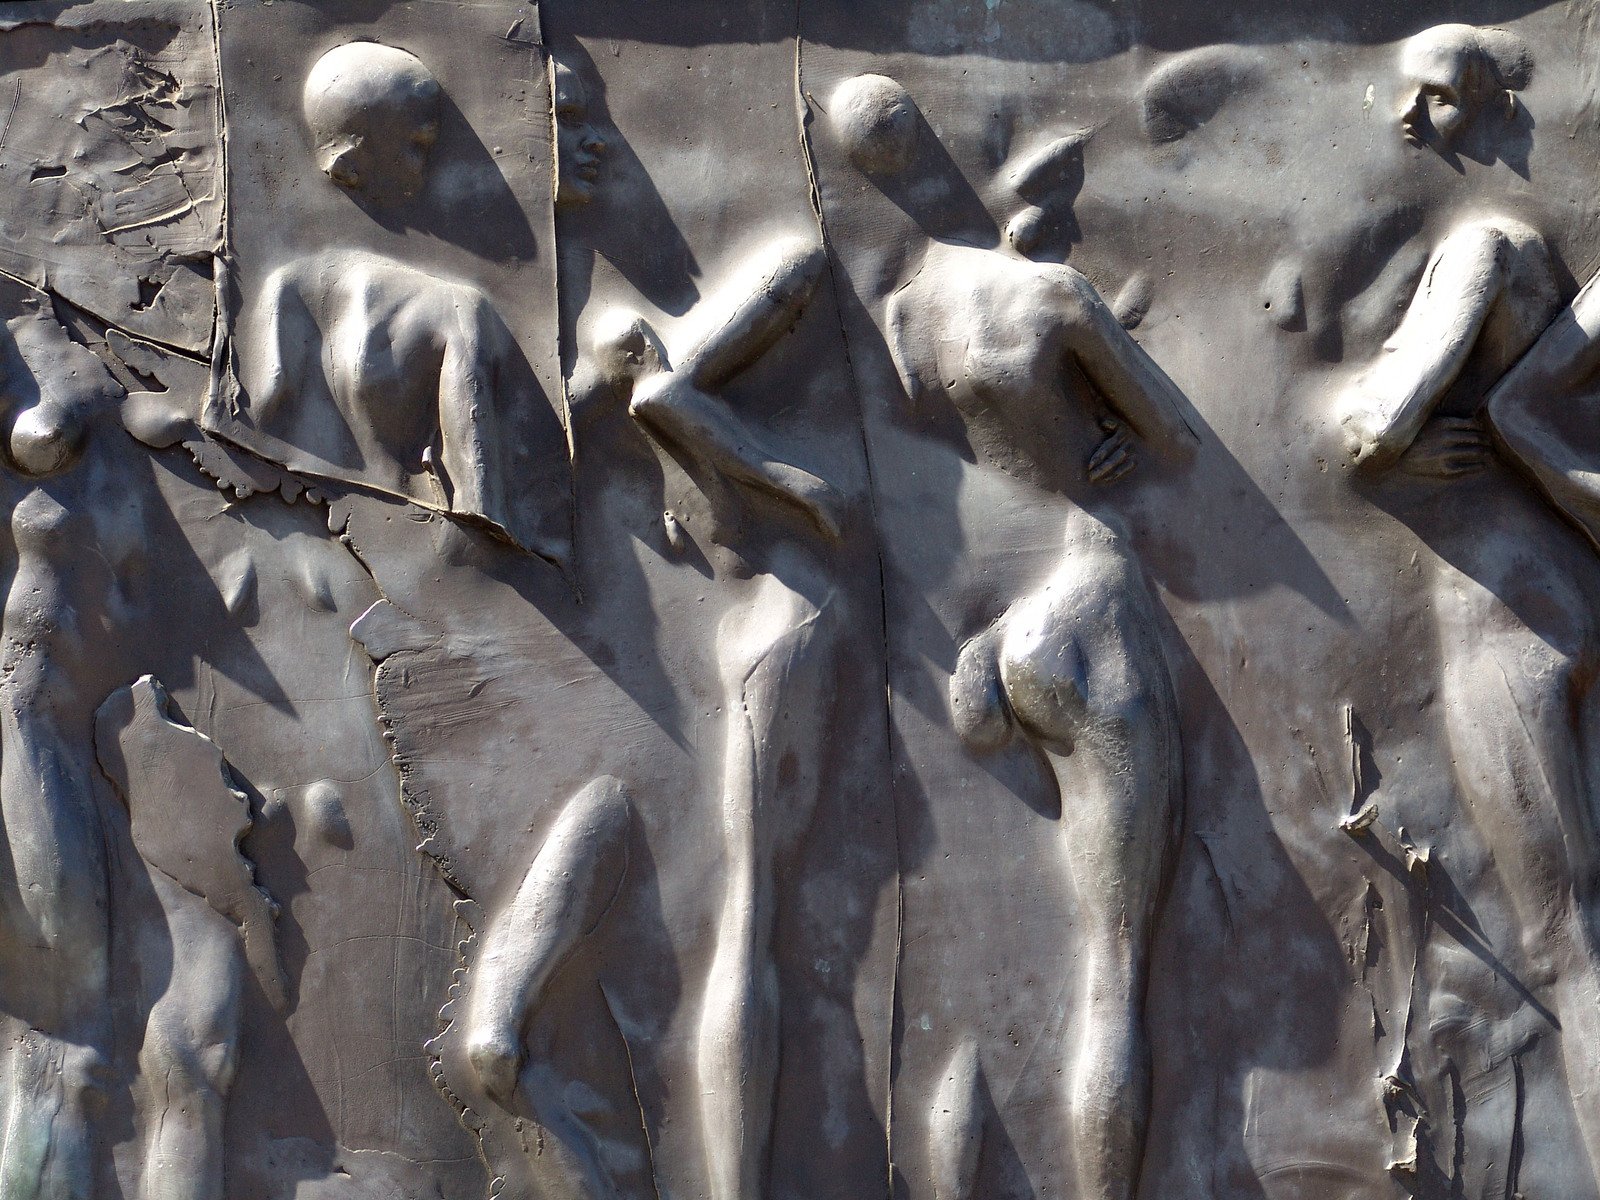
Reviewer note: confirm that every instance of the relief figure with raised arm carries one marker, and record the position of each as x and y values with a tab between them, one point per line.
777	654
1024	351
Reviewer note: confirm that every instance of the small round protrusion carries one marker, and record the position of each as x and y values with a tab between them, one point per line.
325	813
1026	231
44	439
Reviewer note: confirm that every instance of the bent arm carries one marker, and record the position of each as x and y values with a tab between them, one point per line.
1461	284
766	308
1523	410
1133	385
469	408
706	429
289	342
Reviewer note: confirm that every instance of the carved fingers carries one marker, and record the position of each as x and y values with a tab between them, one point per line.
1114	457
1447	448
817	498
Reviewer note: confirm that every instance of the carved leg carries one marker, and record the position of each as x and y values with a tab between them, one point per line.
955	1127
565	892
55	892
1517	749
777	679
190	1050
1083	674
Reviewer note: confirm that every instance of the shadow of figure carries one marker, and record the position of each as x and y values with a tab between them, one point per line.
463	199
621	217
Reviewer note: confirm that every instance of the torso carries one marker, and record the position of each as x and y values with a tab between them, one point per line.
995	331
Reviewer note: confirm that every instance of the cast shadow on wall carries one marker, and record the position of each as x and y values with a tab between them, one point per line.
1028	30
625	220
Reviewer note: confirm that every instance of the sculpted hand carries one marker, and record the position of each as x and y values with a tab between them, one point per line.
1448	448
1113	458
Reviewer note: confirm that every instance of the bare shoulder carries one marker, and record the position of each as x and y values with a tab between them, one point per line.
1497	234
1068	287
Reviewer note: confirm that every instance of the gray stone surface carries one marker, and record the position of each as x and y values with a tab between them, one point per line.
751	601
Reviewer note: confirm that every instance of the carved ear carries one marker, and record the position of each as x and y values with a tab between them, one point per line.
337	158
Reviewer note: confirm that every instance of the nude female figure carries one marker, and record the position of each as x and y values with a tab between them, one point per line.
776	660
1021	349
777	656
1513	599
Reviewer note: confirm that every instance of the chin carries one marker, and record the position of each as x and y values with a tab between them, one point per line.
574	194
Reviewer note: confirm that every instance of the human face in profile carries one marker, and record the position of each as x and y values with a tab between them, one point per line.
579	145
373	111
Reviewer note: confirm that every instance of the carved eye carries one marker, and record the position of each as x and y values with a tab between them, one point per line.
1438	93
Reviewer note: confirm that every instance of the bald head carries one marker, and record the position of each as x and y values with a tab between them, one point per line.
373	112
875	120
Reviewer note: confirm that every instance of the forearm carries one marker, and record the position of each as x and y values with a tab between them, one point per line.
1393	398
1525	408
1137	390
1567	477
468	403
706	429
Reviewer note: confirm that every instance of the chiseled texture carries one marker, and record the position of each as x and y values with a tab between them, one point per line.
799	600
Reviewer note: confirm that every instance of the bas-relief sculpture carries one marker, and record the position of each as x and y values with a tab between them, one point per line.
911	599
1075	668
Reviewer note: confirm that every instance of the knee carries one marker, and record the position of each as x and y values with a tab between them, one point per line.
496	1059
86	1076
185	1063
